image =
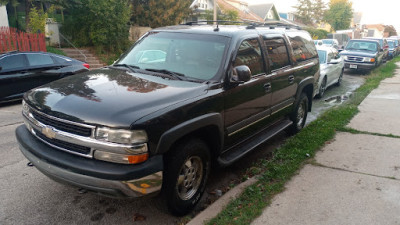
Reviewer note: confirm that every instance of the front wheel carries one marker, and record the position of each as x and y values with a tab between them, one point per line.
186	172
299	115
339	81
322	88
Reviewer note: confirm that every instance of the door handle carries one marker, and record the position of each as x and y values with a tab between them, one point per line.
267	87
291	79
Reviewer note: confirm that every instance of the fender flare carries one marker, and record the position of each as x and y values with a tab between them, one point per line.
307	81
175	133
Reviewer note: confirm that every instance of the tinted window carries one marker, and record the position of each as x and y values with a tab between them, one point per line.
277	53
303	47
61	60
249	54
39	59
13	62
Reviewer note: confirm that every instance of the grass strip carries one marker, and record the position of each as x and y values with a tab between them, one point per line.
55	50
297	151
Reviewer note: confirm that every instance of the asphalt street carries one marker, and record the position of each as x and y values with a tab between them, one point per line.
29	197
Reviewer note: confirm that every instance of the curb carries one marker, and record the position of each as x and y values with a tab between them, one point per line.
214	209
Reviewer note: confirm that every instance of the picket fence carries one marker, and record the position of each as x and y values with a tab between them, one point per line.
13	40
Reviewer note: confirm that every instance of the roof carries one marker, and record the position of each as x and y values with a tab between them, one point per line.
379	27
245	16
261	10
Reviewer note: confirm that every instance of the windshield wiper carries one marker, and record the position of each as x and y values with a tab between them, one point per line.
176	75
130	67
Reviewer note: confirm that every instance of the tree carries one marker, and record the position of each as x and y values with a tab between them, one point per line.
14	4
157	13
390	30
339	14
304	11
318	10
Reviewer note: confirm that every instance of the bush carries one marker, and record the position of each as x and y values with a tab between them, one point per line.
317	33
100	23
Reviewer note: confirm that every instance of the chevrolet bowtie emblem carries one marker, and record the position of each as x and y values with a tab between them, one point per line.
48	132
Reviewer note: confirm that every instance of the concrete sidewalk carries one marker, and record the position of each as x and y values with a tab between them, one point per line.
356	179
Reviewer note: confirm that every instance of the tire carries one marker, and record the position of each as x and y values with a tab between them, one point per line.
322	88
339	81
299	114
185	176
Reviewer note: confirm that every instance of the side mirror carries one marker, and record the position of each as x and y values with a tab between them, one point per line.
241	74
334	61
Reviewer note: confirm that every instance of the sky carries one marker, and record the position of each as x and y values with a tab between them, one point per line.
385	12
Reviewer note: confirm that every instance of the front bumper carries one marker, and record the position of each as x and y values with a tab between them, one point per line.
111	179
360	66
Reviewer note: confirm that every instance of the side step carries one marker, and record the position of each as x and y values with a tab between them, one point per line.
242	149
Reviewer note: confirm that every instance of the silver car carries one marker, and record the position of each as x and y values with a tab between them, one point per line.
331	66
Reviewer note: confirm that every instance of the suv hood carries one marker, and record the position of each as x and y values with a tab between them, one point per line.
111	97
358	53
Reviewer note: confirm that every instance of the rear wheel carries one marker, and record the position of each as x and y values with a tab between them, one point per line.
299	115
186	173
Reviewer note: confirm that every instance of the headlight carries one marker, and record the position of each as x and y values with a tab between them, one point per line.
121	136
135	152
367	59
345	57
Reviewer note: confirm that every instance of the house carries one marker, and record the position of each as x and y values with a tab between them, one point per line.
3	16
375	30
266	11
203	7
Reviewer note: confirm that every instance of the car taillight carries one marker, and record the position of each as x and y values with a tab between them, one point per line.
86	65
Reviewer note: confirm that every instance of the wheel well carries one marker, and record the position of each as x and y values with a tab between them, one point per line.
209	134
308	90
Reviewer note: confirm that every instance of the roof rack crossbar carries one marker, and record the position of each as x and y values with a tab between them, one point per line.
250	24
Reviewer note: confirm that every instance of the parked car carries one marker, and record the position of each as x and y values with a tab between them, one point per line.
331	43
362	54
332	68
392	49
22	71
318	42
384	46
397	45
208	95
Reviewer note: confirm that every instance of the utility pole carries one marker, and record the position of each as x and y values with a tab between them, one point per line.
215	12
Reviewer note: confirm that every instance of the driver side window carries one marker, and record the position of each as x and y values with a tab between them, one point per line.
249	54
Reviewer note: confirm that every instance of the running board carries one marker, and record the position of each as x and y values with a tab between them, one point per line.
239	151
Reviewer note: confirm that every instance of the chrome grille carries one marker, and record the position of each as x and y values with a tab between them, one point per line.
67	127
355	59
64	145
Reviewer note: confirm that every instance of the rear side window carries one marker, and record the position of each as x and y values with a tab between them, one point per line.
13	62
277	52
249	54
303	47
39	59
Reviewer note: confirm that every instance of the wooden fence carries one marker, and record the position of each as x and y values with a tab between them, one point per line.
13	40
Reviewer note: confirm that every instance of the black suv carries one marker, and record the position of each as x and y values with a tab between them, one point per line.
180	99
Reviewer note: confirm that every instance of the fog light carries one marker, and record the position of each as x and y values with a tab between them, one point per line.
120	158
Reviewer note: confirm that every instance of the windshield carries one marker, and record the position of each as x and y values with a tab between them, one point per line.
362	45
322	56
327	42
194	56
391	44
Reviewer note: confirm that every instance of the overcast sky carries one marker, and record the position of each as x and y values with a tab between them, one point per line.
374	12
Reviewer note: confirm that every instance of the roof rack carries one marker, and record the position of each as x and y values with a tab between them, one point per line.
250	24
273	25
